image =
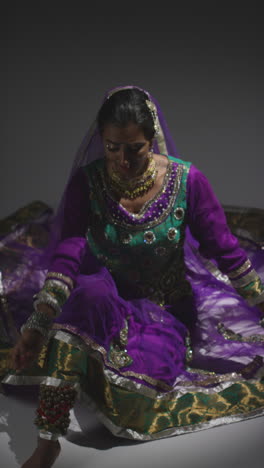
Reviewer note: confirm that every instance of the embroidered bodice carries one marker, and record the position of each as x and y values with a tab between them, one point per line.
143	251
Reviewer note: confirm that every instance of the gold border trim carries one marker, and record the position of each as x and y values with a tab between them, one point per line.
245	280
234	273
59	276
230	335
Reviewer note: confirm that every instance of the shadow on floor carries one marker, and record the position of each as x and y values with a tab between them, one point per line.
17	414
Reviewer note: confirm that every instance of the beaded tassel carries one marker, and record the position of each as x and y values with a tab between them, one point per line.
53	413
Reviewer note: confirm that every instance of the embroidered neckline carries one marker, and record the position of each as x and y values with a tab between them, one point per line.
146	218
143	210
148	203
153	212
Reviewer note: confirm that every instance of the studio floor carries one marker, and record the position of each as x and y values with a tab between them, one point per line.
89	443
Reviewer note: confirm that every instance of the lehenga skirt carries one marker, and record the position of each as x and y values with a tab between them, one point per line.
147	371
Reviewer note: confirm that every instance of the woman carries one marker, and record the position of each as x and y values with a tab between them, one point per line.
149	305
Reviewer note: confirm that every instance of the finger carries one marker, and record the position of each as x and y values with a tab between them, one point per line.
15	360
27	359
18	362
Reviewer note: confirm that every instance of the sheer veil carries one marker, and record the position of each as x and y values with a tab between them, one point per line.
91	148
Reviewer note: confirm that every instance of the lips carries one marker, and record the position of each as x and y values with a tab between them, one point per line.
123	168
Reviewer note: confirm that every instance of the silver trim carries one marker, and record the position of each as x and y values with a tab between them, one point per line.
49	435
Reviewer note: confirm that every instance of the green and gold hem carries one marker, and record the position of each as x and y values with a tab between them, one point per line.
132	409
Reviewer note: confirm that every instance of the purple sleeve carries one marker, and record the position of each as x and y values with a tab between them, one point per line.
208	225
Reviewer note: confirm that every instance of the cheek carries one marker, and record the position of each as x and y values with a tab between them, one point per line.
138	166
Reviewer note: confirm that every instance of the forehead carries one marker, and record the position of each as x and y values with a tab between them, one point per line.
129	134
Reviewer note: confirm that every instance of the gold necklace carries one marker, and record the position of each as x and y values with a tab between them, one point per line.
136	187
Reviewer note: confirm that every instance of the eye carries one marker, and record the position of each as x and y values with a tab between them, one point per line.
112	148
136	148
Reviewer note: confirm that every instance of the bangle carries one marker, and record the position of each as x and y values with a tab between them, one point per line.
44	297
63	278
39	321
57	289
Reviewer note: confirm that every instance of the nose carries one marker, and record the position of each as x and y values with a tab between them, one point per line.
123	156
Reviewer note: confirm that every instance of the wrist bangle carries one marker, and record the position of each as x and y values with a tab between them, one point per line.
44	297
39	321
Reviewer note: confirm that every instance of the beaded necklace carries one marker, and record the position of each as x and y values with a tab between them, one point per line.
136	187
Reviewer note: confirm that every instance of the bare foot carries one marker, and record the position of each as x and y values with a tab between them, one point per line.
45	454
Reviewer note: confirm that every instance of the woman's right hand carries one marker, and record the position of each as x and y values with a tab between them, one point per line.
27	349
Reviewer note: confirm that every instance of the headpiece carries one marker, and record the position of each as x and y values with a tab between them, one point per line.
154	115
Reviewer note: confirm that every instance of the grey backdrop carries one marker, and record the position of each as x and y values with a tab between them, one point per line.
202	61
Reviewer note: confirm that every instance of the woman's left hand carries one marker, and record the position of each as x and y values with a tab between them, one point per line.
26	350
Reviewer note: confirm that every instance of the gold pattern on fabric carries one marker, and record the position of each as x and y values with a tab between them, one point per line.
252	291
150	416
232	336
117	354
58	360
65	361
124	334
245	280
147	415
234	273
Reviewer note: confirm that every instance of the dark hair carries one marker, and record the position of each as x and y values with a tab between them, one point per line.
125	106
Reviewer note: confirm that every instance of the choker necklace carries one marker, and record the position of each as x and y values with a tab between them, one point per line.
136	186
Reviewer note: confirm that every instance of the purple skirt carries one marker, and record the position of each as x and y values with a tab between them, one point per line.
151	371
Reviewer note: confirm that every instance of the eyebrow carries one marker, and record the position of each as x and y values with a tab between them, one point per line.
131	144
